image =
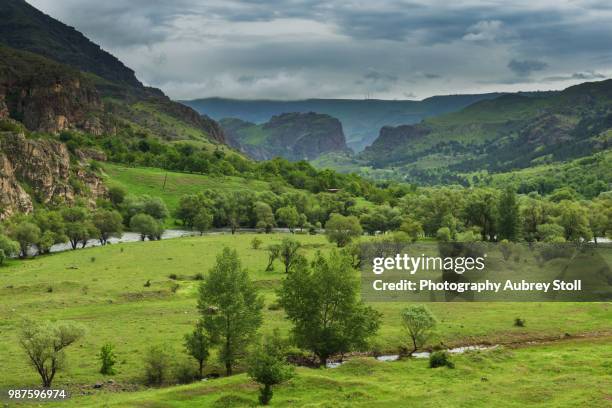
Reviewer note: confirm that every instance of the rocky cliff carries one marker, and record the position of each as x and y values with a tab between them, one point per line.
294	136
390	137
47	96
42	171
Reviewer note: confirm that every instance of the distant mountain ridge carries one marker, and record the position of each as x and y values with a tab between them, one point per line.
511	132
361	119
295	136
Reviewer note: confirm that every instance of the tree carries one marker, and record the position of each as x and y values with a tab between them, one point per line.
419	323
8	247
550	233
44	344
268	367
322	302
116	195
412	228
108	223
288	216
146	225
77	225
342	230
197	345
264	216
156	365
203	220
26	234
230	307
273	254
107	359
508	215
574	220
288	252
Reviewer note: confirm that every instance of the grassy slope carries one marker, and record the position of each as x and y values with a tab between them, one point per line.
563	375
102	288
141	180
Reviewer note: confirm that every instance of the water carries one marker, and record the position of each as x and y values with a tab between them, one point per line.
426	354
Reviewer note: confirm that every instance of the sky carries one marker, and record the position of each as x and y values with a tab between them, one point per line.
384	49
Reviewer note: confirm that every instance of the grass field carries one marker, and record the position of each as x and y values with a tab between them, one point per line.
103	289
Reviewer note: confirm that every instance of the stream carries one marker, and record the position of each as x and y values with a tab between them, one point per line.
421	354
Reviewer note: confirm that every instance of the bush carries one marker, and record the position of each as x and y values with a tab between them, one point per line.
107	359
173	276
147	283
440	359
156	365
184	372
256	243
518	322
198	276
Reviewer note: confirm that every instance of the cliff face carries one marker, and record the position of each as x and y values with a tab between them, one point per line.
294	136
44	168
46	96
389	138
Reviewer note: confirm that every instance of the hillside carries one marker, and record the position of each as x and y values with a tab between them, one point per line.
53	78
361	119
26	28
294	136
508	133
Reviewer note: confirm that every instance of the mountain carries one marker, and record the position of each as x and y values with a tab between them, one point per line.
295	136
55	85
361	119
53	78
511	132
25	28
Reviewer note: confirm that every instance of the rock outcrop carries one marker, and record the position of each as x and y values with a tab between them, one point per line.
44	167
294	136
47	96
390	137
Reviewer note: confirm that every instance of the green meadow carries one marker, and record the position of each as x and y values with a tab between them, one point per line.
104	290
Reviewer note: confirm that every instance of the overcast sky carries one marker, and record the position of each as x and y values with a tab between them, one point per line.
388	49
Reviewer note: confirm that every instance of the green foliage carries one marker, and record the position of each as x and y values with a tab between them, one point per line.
418	323
323	305
203	220
107	359
256	243
342	230
197	345
440	359
268	367
230	306
26	234
157	363
146	226
108	223
508	215
8	247
288	253
45	343
288	217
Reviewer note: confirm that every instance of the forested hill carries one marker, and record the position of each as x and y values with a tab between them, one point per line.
26	28
361	119
508	133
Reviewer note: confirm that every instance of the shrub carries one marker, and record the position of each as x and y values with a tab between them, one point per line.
107	359
184	372
198	276
173	276
518	322
147	283
256	243
440	359
274	306
156	365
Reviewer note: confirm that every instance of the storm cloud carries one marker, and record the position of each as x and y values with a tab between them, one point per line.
289	49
